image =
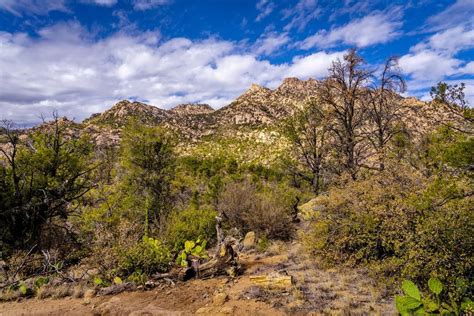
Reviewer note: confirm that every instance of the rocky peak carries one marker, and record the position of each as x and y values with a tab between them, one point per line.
294	89
122	111
192	109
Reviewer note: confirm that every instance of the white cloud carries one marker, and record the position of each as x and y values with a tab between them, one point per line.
449	41
459	13
148	4
468	69
301	14
428	64
269	43
265	8
372	29
106	3
38	7
437	57
64	68
314	65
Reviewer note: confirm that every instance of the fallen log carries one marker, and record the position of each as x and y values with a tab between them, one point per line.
225	262
273	281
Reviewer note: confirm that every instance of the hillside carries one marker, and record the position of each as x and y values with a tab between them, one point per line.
253	115
276	203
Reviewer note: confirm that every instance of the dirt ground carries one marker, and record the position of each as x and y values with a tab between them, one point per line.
315	291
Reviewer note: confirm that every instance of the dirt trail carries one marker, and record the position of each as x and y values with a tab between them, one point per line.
316	291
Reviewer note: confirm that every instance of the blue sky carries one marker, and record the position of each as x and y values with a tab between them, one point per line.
81	56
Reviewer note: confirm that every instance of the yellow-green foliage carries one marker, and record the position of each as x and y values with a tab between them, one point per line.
190	224
400	223
148	256
266	210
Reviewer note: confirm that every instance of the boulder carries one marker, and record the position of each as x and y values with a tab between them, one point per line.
249	240
219	299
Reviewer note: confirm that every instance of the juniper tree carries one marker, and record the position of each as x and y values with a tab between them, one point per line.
308	132
148	161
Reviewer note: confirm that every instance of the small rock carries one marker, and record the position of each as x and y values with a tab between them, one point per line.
89	293
219	299
227	310
203	310
249	240
93	272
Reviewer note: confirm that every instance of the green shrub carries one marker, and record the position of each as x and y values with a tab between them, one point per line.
400	224
190	224
267	212
149	256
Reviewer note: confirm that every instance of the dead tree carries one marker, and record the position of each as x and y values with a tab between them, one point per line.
384	107
344	91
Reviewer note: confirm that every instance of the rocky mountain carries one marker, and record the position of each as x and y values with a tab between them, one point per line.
250	119
258	106
123	111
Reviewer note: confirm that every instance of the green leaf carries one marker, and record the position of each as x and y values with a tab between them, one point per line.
98	281
40	281
435	285
117	280
399	304
188	245
430	305
23	289
406	303
197	251
410	289
467	305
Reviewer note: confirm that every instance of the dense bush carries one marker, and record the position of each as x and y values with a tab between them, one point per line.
41	181
399	223
190	224
147	256
268	212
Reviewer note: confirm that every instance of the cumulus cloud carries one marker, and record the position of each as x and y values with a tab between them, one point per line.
437	57
314	65
65	68
270	43
450	41
372	29
434	58
428	64
38	7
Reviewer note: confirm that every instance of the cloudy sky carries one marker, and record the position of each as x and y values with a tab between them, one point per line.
81	56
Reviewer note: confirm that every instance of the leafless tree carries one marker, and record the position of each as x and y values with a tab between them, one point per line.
384	106
345	92
9	148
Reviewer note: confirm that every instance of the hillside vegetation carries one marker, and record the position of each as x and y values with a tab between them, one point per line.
346	168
